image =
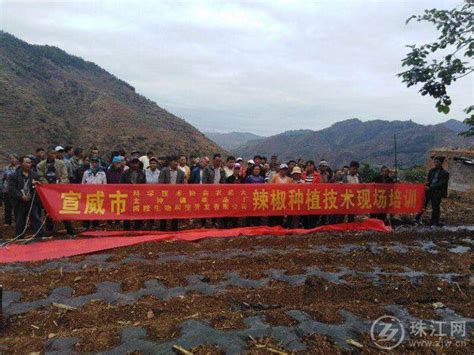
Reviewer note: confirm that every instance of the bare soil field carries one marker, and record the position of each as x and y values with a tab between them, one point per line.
315	293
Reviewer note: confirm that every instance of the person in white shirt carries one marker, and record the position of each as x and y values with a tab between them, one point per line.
94	176
152	173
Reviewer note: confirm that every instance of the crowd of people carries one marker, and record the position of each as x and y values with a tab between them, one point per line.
58	165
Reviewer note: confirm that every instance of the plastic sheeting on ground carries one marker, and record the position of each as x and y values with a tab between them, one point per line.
104	240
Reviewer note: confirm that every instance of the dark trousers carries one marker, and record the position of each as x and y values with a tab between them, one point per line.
137	225
435	198
21	215
275	221
253	221
87	224
67	225
8	211
230	222
174	224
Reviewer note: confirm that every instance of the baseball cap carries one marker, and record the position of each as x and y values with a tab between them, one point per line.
251	162
117	159
236	166
239	159
95	159
323	163
58	148
283	166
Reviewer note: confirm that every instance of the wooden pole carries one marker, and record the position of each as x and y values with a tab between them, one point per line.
395	155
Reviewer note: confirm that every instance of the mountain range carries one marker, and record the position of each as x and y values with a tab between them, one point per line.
370	141
233	140
48	97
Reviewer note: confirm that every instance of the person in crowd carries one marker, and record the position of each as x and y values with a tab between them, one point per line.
258	160
250	165
193	161
297	176
311	175
282	176
254	178
113	174
268	173
152	175
145	159
94	175
229	166
301	163
352	177
94	153
273	163
338	174
68	152
235	178
198	171
345	170
162	162
54	171
213	174
291	164
171	175
134	175
436	189
76	162
183	166
60	154
135	154
79	172
382	178
279	178
325	172
22	196
40	155
7	173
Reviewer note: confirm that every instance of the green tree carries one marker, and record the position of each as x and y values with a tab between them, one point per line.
438	64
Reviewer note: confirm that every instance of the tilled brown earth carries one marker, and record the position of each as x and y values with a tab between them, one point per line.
312	293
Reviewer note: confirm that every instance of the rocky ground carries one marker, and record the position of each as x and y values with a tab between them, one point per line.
313	293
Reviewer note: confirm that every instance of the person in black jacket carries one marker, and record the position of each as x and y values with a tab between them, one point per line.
436	189
134	175
21	193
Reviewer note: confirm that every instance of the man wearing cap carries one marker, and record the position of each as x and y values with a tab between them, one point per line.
61	156
7	173
325	172
436	189
54	171
114	173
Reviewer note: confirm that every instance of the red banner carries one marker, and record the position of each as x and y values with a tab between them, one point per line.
107	202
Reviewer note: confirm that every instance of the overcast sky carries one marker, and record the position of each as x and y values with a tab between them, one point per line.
263	67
